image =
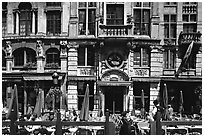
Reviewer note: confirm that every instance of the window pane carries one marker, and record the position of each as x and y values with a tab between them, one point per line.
54	22
173	18
145	58
186	18
145	29
172	58
165	56
137	57
137	4
52	56
91	22
92	4
19	57
146	16
173	31
137	16
30	56
81	56
82	22
82	4
189	28
146	4
90	56
54	4
166	18
193	18
115	14
25	22
166	31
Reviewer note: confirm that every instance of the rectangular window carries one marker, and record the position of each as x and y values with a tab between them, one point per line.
169	59
53	4
188	28
25	22
141	16
86	56
87	15
54	22
81	89
115	14
141	57
170	23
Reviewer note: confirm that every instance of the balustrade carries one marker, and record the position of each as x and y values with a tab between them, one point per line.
189	8
116	30
188	37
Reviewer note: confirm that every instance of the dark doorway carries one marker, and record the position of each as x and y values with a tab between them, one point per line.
114	99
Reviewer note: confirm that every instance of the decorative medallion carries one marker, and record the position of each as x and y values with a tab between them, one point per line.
114	60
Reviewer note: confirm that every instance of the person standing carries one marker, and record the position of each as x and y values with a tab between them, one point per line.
126	126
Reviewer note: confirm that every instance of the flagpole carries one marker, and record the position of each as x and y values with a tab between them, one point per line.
185	59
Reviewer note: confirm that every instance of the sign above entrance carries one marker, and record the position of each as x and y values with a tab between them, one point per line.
114	75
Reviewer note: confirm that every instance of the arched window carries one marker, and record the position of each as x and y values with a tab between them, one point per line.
23	56
52	57
3	59
25	18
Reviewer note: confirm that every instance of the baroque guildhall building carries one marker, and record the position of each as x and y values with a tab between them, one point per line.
118	48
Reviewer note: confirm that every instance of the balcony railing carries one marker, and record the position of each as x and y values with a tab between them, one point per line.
190	8
115	30
188	37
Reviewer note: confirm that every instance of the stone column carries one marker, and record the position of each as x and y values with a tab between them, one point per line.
156	63
72	58
72	95
102	100
40	57
65	17
199	64
17	22
33	22
41	19
63	55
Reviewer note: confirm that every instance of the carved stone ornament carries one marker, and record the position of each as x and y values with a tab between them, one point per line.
8	49
63	46
39	48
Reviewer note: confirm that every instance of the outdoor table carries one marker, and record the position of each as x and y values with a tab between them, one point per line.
73	130
176	130
96	128
194	129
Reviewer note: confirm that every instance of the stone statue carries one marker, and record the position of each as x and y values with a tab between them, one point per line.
39	48
8	49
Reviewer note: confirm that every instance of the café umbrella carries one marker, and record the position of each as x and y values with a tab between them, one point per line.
84	114
39	105
13	106
165	102
143	104
181	109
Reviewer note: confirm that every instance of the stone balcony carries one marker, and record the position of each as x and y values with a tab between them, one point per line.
115	30
190	8
185	39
